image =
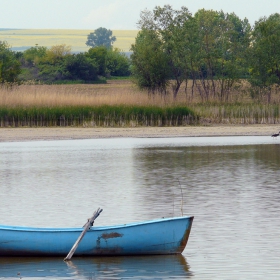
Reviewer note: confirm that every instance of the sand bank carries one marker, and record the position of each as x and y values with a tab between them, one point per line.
61	133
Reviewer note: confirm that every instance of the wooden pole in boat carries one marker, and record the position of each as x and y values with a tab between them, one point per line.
87	226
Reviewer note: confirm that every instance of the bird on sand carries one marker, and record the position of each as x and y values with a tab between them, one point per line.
275	134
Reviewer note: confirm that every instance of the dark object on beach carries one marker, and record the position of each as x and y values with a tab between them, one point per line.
275	135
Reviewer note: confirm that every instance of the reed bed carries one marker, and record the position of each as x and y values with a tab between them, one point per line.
120	103
118	93
91	116
247	113
86	105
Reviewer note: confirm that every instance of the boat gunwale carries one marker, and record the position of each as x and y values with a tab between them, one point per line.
99	228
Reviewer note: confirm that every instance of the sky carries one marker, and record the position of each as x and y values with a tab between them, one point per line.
114	14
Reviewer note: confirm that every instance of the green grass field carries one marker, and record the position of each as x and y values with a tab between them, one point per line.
21	39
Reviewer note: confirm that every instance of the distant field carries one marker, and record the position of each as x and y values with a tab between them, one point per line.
21	39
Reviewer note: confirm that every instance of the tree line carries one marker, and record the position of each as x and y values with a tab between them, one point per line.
59	64
211	51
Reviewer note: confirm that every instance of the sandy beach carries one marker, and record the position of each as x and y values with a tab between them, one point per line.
62	133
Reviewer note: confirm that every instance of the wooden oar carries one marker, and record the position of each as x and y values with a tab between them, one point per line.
87	226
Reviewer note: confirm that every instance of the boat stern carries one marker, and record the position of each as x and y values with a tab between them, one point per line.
184	240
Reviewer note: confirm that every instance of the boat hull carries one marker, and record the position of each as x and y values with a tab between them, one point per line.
164	236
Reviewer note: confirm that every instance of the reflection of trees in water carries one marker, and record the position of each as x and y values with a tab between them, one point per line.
203	172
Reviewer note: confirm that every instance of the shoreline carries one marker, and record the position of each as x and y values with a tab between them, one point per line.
72	133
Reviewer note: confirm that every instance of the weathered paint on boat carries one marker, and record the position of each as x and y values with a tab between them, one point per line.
158	237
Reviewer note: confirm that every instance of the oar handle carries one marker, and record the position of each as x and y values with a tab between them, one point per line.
87	226
91	220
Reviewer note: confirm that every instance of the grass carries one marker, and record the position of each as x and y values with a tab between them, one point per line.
21	39
106	115
120	103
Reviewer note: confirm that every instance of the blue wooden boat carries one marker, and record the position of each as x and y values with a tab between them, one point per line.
157	237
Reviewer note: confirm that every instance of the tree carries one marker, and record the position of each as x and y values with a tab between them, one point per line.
51	66
9	65
223	40
208	48
150	62
117	63
265	55
35	55
101	37
56	53
168	23
188	49
80	67
99	54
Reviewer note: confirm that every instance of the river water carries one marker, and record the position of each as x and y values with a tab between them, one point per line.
231	185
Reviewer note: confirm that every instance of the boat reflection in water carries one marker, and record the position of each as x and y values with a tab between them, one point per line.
148	267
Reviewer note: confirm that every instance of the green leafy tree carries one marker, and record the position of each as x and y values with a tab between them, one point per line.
207	48
101	37
168	23
35	55
9	65
57	53
99	55
117	63
265	55
111	62
52	67
150	62
223	40
80	67
188	49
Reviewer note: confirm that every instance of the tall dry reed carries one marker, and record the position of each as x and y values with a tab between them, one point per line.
120	103
79	95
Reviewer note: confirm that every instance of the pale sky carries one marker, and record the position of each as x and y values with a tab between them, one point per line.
114	14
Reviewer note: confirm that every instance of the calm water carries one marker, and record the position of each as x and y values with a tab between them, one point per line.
230	184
